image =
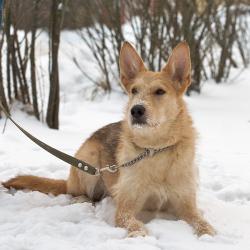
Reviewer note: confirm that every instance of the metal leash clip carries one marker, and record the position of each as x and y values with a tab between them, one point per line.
109	168
112	168
150	152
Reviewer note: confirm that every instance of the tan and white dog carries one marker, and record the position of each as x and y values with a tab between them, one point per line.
156	117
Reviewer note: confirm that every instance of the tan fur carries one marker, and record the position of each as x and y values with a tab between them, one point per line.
40	184
167	180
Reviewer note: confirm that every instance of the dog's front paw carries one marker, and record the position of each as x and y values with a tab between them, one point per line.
136	228
205	228
143	232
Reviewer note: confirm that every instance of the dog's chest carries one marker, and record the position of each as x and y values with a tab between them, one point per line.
153	169
149	176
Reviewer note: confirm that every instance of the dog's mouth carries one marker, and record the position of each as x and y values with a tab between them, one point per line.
138	121
144	123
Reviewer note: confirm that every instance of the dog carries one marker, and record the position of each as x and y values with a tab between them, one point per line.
156	117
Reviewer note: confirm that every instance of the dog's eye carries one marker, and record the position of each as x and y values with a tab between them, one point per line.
160	92
134	91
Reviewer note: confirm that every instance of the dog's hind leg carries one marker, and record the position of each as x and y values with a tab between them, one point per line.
77	184
35	183
83	186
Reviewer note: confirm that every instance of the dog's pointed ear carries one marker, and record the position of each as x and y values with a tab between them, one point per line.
131	64
178	67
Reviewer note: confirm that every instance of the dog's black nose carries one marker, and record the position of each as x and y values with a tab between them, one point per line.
137	111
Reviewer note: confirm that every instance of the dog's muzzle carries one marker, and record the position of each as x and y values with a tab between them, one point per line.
138	114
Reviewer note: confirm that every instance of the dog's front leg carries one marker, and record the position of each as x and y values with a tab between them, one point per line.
186	209
127	207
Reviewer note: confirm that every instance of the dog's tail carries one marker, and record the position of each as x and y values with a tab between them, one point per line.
35	183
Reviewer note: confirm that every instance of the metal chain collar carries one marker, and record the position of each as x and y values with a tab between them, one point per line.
148	152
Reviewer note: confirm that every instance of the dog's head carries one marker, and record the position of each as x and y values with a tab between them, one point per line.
154	97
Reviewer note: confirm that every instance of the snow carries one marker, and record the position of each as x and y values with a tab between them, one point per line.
32	220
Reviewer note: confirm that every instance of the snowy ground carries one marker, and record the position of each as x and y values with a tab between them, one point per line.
31	220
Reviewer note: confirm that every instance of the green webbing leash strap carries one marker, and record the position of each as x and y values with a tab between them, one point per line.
64	157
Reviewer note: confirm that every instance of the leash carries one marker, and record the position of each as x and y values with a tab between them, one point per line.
81	165
59	154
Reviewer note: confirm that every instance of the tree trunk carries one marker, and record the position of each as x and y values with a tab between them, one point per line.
7	25
33	61
2	93
52	118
